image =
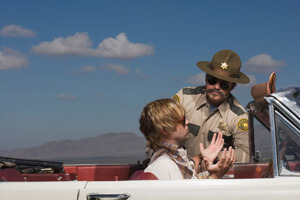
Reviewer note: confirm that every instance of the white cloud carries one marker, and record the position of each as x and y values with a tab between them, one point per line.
88	68
122	48
80	45
10	59
198	79
117	68
64	96
263	63
140	73
16	31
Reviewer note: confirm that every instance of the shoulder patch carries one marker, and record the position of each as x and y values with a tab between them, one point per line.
191	91
176	98
243	124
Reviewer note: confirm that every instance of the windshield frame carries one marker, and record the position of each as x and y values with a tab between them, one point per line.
276	105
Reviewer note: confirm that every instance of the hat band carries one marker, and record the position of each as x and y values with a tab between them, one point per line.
223	73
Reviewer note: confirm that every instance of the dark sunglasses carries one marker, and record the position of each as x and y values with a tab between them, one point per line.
213	80
183	121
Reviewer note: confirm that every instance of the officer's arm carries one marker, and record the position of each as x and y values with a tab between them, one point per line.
241	138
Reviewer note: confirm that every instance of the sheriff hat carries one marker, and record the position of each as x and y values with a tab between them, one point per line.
225	65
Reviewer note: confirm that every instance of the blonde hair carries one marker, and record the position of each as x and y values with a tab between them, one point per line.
160	115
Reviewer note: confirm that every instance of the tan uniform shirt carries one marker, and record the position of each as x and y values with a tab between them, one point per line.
230	118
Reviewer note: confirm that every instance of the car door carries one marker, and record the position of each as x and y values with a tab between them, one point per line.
55	190
214	189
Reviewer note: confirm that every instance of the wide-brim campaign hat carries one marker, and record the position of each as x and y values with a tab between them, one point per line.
225	65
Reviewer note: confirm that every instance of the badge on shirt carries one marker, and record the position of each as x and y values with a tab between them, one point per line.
176	98
222	126
243	124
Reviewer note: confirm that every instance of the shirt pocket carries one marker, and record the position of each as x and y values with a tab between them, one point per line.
228	140
194	129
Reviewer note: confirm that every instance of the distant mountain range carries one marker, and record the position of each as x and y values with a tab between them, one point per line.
110	148
105	148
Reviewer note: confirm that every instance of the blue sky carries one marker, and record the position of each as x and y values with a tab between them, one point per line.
74	69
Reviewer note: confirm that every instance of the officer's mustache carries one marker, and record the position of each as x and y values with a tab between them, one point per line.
218	91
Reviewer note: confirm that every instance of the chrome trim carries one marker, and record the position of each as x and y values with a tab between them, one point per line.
107	196
274	144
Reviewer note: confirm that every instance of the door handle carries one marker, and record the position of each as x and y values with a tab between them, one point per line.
107	196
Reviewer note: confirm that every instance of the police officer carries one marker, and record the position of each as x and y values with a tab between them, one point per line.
212	108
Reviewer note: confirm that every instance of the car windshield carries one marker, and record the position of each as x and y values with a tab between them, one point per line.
262	142
288	146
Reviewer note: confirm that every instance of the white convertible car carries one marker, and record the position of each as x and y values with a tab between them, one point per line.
275	114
